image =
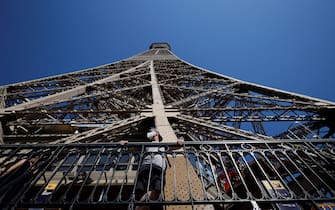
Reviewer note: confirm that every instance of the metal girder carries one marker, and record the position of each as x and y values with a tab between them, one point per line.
158	111
3	96
254	108
27	91
231	130
189	99
94	135
286	94
65	95
1	134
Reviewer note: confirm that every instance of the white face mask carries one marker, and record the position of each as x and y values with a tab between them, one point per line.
151	134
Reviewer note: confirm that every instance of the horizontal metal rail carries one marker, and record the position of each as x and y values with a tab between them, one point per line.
271	173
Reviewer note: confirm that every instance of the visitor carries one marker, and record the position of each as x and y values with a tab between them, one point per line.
151	175
13	178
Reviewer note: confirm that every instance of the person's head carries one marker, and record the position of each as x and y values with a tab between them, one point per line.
153	135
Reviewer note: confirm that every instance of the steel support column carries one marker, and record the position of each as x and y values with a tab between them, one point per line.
182	183
1	134
161	121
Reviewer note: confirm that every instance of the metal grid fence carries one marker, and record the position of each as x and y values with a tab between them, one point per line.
281	174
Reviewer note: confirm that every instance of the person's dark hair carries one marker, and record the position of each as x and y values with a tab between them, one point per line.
160	137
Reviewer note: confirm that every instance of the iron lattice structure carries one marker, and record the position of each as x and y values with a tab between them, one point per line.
246	145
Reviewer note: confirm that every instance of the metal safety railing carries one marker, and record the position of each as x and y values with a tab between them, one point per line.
225	175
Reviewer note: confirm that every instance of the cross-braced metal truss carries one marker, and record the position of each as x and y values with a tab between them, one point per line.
122	100
203	105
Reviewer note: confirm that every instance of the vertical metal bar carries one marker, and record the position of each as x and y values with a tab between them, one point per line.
125	177
133	197
87	175
318	164
191	197
268	179
313	171
234	195
71	167
163	175
214	172
252	174
198	164
266	176
105	196
239	173
147	199
292	194
58	150
302	173
109	155
291	175
175	197
316	152
80	162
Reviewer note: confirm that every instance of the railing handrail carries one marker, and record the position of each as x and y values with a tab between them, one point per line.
186	143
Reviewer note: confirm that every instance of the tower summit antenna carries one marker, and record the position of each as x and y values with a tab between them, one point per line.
160	45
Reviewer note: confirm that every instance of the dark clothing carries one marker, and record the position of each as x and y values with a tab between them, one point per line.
157	180
15	174
12	183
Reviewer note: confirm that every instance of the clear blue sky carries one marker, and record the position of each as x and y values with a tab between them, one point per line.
286	44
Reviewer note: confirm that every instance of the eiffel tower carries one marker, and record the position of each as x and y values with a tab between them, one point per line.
246	145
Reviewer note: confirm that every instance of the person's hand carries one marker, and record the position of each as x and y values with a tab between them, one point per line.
123	142
180	142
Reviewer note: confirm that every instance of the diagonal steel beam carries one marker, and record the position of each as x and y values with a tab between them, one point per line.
1	134
218	90
158	110
264	89
68	94
223	128
94	133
